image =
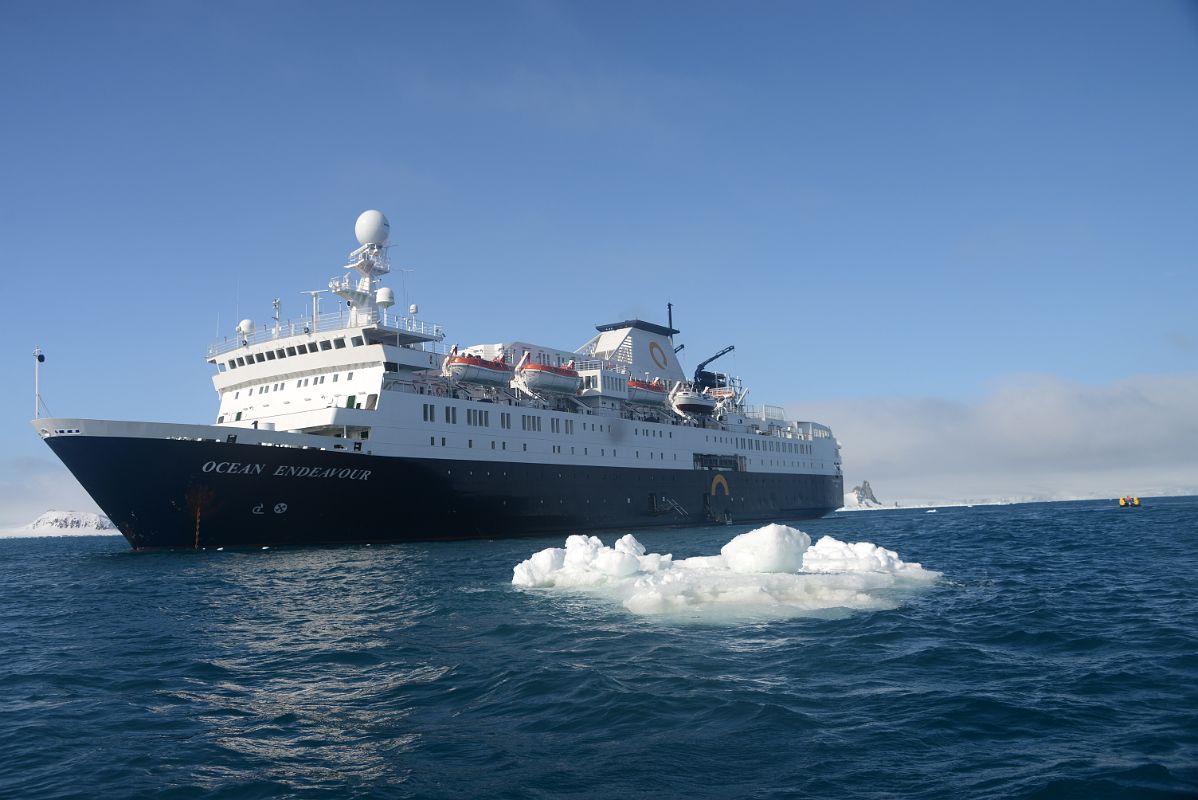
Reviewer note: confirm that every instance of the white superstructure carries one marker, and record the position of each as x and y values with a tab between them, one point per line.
372	381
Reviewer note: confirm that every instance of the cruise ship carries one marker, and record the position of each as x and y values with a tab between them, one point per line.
362	425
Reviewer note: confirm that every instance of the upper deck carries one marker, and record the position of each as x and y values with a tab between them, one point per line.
377	324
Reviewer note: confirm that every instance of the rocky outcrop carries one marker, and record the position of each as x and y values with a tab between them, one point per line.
71	521
861	497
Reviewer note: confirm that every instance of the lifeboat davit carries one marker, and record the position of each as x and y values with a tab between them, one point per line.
553	380
476	369
651	393
697	404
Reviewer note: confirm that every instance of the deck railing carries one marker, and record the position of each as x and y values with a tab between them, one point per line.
335	320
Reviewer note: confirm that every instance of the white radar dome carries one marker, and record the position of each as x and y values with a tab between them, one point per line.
245	327
372	227
384	297
413	309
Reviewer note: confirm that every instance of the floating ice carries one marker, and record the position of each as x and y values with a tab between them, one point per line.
773	571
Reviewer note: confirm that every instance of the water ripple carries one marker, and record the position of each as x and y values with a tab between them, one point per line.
1058	658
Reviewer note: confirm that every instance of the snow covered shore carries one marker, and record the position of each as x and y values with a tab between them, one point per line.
65	523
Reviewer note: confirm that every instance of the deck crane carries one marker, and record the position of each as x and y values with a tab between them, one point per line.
710	380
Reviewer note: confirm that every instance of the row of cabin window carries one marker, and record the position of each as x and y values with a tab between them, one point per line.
610	384
772	446
294	350
532	422
299	384
557	448
528	422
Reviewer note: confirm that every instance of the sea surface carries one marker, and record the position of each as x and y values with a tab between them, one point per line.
1056	657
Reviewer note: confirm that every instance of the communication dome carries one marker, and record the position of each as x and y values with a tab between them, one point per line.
384	297
413	309
372	227
245	327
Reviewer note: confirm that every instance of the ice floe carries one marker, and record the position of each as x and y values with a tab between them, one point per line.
773	571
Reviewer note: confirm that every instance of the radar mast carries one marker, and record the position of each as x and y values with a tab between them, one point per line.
370	262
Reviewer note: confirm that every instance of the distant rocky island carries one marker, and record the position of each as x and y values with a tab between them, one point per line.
861	497
71	521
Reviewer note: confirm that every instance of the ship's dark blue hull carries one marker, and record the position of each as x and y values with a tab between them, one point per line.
166	493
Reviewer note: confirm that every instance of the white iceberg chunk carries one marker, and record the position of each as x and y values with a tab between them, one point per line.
774	548
773	571
833	555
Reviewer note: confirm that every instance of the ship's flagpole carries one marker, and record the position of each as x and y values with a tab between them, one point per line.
38	358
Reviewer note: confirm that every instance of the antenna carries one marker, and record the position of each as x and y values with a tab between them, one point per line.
403	282
315	293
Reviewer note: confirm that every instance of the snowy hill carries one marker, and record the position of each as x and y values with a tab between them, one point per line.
72	520
66	523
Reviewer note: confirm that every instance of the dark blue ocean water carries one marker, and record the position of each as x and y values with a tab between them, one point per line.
1058	657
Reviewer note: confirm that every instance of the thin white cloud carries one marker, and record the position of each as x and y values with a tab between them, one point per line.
31	486
1032	436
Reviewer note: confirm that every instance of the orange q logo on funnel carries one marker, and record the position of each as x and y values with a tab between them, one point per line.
658	355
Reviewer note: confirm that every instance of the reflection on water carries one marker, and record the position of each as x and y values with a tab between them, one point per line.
309	673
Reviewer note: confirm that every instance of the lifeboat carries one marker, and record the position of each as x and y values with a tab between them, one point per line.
553	380
650	393
476	369
692	403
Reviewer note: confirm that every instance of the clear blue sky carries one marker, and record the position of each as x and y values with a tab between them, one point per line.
871	200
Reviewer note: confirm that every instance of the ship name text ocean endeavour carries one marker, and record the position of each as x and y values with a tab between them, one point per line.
286	471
